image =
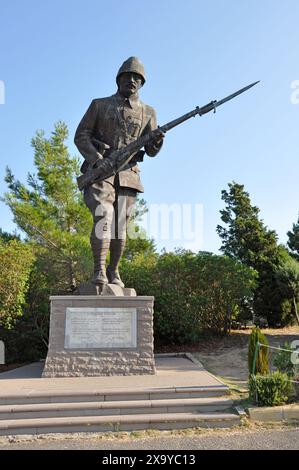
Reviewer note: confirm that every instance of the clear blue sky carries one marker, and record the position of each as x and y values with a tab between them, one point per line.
57	56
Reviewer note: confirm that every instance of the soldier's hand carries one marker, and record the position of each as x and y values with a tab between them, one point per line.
158	138
101	146
100	157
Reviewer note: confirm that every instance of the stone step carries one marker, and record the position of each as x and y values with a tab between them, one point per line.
52	410
115	423
76	396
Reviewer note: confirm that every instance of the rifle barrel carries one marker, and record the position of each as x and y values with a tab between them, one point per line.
179	120
119	158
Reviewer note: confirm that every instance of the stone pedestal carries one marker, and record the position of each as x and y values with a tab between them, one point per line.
92	335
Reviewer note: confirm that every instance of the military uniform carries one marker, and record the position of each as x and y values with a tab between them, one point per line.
115	121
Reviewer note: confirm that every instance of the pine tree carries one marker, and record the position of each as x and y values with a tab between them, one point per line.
51	211
258	357
293	241
247	239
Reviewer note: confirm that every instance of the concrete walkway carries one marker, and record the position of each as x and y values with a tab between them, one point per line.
172	372
31	371
182	394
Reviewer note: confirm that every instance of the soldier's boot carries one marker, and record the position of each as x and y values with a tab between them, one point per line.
117	247
100	249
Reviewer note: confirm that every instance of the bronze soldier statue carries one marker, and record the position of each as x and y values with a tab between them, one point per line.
110	124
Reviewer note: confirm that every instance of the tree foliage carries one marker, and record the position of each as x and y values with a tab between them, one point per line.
16	264
6	236
283	361
287	276
137	239
51	210
293	240
247	239
193	292
258	356
245	236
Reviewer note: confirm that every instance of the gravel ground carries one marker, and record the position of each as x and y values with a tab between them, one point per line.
236	439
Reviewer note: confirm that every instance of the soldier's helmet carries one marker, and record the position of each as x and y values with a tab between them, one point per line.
132	64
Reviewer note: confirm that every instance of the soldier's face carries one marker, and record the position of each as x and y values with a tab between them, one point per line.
129	83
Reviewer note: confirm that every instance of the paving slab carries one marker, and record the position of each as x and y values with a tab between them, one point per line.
173	372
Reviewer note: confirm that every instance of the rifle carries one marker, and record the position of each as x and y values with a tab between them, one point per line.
120	159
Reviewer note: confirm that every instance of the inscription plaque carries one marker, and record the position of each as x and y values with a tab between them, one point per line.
100	328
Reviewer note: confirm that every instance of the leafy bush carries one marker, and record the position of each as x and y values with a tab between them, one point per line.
283	360
194	293
16	264
262	358
270	390
23	343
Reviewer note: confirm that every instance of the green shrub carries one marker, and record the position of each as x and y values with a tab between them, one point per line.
194	293
16	264
262	359
270	390
23	343
282	360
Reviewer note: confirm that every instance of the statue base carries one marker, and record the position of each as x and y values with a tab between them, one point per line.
100	335
106	289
